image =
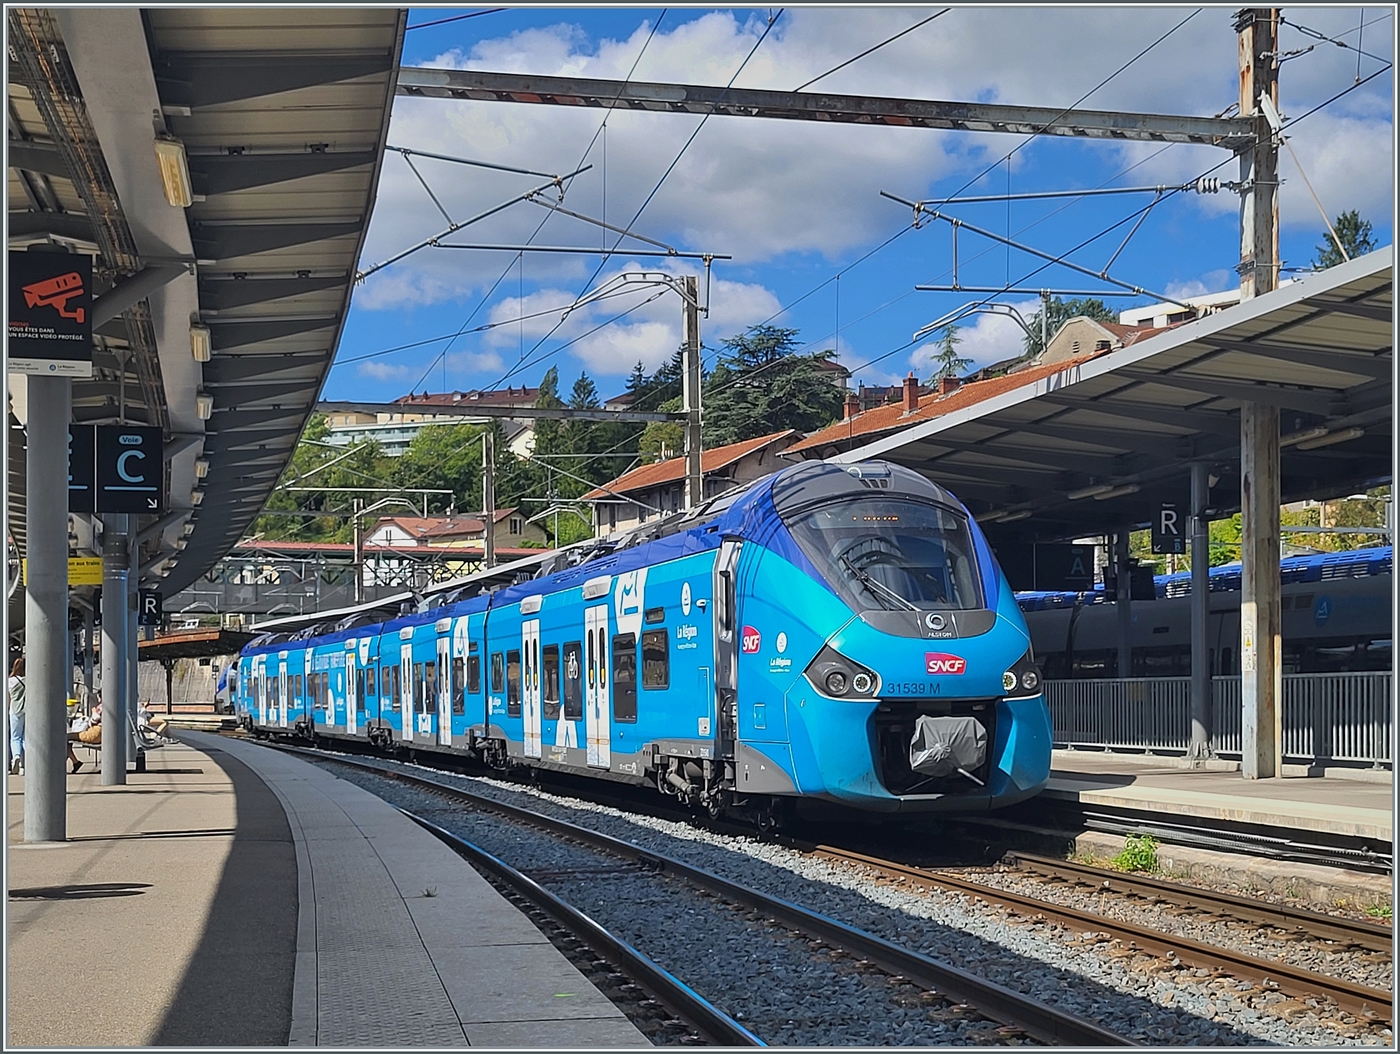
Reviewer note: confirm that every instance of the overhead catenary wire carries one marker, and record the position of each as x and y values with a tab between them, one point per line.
457	18
877	47
660	182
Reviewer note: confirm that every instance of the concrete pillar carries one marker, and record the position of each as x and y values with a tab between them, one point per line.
1124	605
1202	703
115	680
48	662
1261	669
133	661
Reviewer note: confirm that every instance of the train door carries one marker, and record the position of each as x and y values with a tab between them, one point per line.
260	687
597	715
726	618
530	685
305	703
352	691
461	649
283	699
406	688
444	682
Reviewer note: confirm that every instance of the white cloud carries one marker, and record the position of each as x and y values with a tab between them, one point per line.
388	371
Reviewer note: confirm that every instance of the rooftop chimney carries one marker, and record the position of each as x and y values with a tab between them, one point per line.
852	405
911	394
947	384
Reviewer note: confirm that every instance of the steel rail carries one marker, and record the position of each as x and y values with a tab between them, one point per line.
678	996
1031	1015
1366	1002
1369	935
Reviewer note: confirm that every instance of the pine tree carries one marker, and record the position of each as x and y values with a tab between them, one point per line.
947	362
1354	234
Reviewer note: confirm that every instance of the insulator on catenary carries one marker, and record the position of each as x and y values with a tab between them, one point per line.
1208	185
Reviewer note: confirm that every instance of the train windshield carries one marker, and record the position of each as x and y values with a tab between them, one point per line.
892	553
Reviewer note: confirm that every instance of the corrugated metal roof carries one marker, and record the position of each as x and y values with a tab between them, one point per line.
1320	349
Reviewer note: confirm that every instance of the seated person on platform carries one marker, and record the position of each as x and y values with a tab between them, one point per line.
149	722
83	730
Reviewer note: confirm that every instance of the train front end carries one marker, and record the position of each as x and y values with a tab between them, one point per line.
884	663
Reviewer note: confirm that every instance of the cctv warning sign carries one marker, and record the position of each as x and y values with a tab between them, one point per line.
50	314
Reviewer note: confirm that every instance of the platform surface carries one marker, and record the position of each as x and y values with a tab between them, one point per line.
1330	804
229	877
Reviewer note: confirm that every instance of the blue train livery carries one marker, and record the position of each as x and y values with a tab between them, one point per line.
833	632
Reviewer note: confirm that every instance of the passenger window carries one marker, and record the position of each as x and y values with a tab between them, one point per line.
430	685
474	673
624	675
371	680
396	689
388	692
418	688
498	672
551	682
573	681
656	659
459	704
512	684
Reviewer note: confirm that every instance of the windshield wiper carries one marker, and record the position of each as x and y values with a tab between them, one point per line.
876	588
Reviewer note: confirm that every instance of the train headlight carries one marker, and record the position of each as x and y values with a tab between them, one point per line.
836	676
1023	679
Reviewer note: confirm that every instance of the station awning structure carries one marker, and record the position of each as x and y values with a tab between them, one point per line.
283	116
194	644
1099	444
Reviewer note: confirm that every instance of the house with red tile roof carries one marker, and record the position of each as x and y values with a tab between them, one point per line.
458	530
1078	340
658	489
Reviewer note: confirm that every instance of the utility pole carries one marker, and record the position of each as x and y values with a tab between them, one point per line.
1202	699
359	558
488	495
1261	671
690	394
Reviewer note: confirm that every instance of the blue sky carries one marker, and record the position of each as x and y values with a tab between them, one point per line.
797	203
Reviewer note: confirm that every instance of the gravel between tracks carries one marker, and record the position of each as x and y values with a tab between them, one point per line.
1363	967
1139	996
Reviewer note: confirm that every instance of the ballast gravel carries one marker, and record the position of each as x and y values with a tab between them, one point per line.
1139	996
1363	967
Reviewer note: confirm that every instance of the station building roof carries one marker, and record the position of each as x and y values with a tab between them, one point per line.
1098	442
283	114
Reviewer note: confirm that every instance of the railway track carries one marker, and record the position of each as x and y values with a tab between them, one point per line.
1019	1012
1364	1001
1345	931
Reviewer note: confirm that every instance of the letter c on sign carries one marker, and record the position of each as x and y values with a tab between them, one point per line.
121	466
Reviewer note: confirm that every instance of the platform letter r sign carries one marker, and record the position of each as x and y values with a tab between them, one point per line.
1167	536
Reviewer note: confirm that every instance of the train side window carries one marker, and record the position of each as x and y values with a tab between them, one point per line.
397	686
474	673
550	672
573	681
459	683
430	687
371	680
656	659
512	683
388	682
498	672
624	677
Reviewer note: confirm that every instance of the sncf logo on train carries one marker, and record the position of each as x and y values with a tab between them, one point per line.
750	640
937	662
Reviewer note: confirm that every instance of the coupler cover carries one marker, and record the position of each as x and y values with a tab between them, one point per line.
944	745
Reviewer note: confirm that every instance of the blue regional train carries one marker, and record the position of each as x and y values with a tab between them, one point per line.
835	632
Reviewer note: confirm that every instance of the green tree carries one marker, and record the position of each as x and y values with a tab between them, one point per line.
946	361
448	457
1061	311
760	386
1354	234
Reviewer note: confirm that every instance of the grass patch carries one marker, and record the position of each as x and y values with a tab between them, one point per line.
1139	854
1379	911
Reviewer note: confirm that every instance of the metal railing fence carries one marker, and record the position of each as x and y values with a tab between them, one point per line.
1340	717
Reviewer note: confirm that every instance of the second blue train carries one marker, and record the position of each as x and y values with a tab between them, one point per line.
835	632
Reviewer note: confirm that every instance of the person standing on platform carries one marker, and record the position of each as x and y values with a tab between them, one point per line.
14	691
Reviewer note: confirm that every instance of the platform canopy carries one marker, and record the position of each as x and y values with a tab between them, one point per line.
283	115
1100	444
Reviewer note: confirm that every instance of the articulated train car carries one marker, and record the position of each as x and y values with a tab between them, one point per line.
1335	609
830	632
